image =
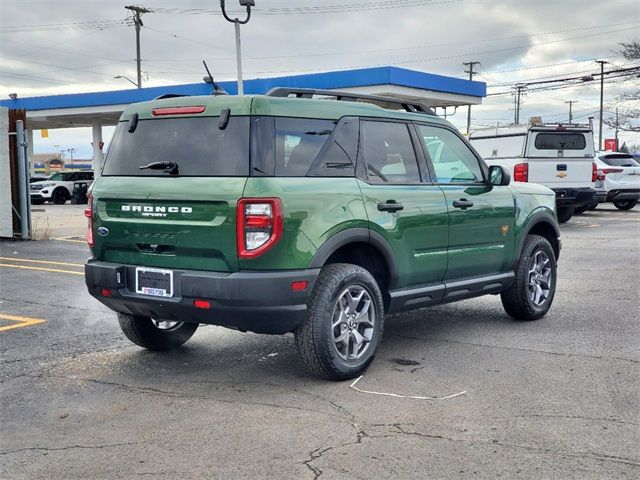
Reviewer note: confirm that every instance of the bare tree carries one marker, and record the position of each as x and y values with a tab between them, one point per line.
628	116
631	50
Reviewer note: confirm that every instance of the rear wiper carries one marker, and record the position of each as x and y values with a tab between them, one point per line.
171	166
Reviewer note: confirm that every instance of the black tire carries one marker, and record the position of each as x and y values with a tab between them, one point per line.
315	338
593	206
565	214
144	333
37	201
625	204
517	301
60	196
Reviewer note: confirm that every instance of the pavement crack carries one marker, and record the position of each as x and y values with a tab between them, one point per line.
168	393
570	417
534	350
49	305
542	450
69	447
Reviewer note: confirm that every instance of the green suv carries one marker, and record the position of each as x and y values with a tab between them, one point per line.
318	216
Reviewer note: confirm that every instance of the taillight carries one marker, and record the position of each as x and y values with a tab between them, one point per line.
594	172
89	214
521	172
259	225
612	170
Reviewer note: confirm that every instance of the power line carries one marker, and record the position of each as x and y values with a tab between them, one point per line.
317	9
95	25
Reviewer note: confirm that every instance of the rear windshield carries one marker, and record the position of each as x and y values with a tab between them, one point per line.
560	141
196	144
620	161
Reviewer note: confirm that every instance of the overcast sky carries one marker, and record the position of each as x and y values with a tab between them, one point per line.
65	46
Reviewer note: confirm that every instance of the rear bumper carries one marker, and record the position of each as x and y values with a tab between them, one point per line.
623	194
574	197
257	301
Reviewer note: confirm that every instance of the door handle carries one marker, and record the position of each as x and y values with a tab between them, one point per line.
462	203
390	206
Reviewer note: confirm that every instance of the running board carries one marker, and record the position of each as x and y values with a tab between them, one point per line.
419	297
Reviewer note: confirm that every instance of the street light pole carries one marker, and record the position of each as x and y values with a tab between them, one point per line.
237	22
127	79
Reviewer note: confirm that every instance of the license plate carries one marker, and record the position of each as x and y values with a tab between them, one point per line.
154	282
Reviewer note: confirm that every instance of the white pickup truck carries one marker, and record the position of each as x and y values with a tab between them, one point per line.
557	156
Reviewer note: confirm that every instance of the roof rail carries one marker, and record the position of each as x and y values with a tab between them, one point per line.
407	105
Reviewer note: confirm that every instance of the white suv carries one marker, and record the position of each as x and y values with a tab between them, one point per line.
58	188
618	180
560	157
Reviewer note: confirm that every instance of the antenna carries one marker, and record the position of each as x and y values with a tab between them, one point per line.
209	79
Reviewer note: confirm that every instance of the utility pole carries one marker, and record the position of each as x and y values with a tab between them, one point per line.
617	128
571	102
602	63
137	21
519	89
470	72
237	22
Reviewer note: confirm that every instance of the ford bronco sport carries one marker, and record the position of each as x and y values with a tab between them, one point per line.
317	216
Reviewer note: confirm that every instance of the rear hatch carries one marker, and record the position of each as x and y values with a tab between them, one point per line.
179	211
622	171
560	158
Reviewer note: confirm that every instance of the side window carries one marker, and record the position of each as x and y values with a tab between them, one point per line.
298	142
388	153
452	160
338	156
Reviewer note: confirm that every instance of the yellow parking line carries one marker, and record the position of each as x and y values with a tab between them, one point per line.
22	321
27	260
41	269
62	239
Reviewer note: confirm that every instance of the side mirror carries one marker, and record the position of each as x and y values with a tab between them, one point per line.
498	175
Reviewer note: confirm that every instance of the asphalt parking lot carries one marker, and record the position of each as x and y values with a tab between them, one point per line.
552	399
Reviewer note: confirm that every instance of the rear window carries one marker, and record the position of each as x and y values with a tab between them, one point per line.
197	145
620	161
560	141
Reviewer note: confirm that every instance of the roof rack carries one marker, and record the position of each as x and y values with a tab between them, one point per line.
384	102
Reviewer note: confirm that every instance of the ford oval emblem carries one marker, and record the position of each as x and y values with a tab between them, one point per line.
104	231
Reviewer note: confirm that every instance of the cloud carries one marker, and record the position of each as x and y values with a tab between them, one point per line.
71	55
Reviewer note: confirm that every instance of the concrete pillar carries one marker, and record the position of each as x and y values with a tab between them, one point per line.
32	167
97	151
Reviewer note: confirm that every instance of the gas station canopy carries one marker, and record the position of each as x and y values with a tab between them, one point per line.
104	108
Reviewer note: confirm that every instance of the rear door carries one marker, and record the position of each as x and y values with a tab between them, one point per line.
401	204
560	158
173	218
481	216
